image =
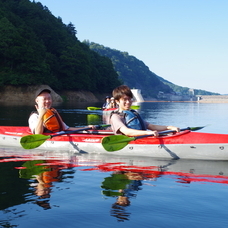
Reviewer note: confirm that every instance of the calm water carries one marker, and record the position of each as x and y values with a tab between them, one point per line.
42	188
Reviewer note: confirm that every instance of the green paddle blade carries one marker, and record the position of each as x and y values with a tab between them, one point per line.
116	142
32	168
135	107
33	141
114	183
195	128
93	119
93	108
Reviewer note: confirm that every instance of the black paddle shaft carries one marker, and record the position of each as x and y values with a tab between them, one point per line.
162	132
74	131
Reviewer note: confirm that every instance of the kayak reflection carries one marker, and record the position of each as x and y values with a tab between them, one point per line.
32	174
128	175
36	173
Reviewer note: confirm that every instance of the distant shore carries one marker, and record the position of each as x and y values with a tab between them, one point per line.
201	101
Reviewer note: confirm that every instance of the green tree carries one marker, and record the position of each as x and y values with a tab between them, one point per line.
37	48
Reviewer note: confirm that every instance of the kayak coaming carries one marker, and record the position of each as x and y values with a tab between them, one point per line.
186	144
109	109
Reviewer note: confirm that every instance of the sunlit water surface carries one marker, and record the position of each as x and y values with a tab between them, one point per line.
67	189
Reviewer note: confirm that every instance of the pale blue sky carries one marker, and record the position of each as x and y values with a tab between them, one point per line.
183	41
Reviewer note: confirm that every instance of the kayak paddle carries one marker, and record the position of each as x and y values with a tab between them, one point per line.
93	108
34	141
135	107
118	142
96	108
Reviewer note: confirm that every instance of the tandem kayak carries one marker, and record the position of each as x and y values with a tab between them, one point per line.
183	145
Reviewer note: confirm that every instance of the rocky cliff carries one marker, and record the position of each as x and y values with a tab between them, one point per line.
26	95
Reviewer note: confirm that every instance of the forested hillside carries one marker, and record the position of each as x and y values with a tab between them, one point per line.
135	73
185	90
132	71
37	48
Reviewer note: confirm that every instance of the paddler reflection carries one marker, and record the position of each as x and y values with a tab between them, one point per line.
123	185
41	175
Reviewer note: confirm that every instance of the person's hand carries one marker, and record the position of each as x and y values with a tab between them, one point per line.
173	128
93	127
41	110
155	133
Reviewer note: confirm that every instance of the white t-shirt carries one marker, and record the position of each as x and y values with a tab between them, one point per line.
33	122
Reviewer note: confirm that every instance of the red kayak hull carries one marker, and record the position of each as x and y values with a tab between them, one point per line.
186	144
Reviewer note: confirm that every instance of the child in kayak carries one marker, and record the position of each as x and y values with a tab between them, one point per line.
129	122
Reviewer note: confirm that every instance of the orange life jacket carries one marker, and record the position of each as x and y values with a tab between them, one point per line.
52	121
51	176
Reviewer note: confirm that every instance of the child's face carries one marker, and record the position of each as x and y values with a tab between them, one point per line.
124	102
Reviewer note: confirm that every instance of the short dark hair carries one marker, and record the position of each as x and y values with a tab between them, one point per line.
119	91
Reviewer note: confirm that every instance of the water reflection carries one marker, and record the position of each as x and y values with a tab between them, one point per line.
74	114
28	174
123	185
32	176
129	175
93	119
41	175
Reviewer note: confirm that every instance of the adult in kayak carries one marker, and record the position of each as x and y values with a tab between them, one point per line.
46	118
129	122
106	103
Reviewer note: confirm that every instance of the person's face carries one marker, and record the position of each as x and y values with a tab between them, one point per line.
124	102
123	201
44	100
